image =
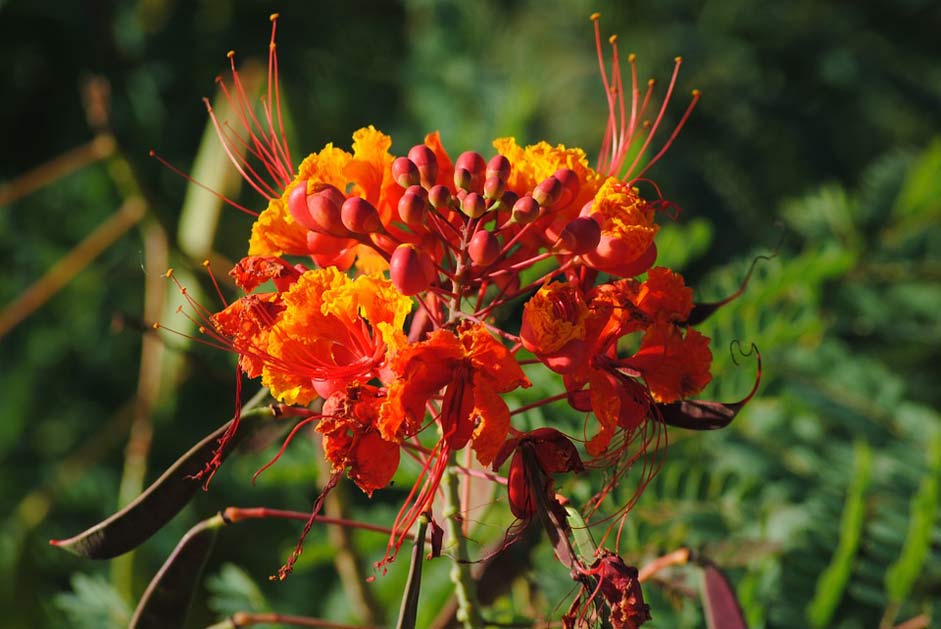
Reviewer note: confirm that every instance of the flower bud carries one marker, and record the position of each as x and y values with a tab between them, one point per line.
413	206
547	192
493	187
499	167
440	198
580	236
405	172
426	162
462	179
360	216
484	248
324	212
297	206
470	171
525	210
473	205
570	186
411	269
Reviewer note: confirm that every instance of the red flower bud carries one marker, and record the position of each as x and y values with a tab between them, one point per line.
484	248
499	167
525	210
440	198
405	172
426	162
411	269
570	186
548	191
324	212
360	216
413	206
472	169
297	206
473	205
493	187
580	236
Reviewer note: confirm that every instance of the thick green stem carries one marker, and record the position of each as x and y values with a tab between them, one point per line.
465	589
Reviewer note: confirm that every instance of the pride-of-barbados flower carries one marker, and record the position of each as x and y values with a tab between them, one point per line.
394	326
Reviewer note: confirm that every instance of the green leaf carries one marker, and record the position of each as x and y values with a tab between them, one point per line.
901	575
92	604
832	582
166	600
133	525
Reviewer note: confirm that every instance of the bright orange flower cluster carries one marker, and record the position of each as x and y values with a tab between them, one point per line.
400	325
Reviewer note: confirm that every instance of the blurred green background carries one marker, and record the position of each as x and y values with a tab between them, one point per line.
818	135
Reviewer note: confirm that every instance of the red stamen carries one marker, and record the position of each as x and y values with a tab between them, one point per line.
190	179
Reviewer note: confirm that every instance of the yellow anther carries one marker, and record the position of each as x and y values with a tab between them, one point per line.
202	329
651	82
613	39
230	54
678	59
631	58
274	16
205	263
696	92
169	272
155	325
594	16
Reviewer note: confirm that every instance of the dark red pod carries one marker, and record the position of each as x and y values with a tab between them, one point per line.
520	490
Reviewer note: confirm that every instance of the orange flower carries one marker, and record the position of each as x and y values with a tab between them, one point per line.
674	366
324	332
351	440
475	368
627	230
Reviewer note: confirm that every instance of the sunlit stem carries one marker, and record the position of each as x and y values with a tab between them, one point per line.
679	557
237	514
465	590
246	619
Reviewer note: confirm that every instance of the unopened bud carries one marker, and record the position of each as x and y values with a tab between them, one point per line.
484	248
570	186
580	236
493	187
411	269
499	166
360	216
548	192
440	198
325	214
297	206
525	210
462	179
413	206
471	167
473	205
426	162
405	172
